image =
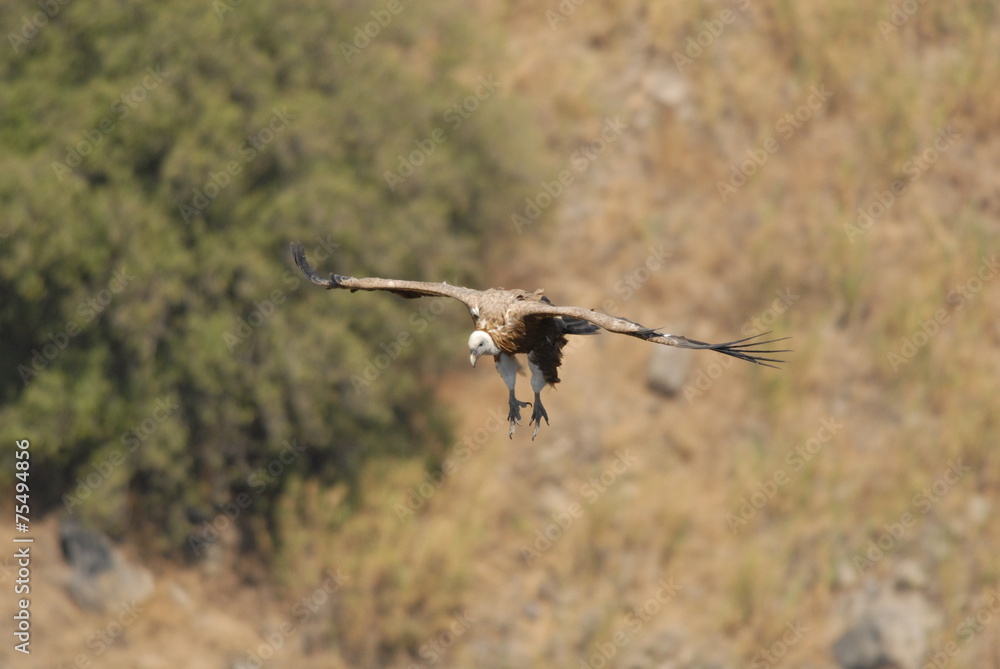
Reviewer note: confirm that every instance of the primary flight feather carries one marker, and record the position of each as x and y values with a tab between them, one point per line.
509	322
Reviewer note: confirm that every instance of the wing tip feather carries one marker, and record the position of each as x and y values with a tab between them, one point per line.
750	351
742	349
299	256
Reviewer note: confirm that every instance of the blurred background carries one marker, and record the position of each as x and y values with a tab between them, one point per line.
231	468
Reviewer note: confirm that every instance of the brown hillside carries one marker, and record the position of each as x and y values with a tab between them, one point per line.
696	530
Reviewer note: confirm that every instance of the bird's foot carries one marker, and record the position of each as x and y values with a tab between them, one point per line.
515	413
537	414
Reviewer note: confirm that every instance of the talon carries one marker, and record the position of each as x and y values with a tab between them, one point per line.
515	413
536	417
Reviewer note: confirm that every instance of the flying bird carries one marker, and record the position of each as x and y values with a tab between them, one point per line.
508	322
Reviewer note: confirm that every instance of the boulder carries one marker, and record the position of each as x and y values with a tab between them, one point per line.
100	578
667	369
888	623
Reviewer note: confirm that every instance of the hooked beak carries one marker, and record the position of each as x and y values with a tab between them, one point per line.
473	358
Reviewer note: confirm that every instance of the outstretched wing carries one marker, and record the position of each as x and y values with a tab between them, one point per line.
407	289
744	349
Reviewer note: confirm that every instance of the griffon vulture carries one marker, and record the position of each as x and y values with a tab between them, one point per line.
515	321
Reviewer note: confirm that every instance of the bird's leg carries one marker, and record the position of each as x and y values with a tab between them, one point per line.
537	414
537	383
515	412
507	366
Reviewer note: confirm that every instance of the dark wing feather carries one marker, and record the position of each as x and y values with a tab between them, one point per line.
744	349
407	289
572	326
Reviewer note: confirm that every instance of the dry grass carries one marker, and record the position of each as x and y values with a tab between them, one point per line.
857	300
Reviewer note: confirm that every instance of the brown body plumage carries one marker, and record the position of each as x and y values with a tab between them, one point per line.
542	338
511	322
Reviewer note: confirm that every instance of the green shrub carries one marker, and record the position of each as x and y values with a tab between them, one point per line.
157	161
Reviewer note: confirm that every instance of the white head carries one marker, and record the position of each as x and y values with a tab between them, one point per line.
480	343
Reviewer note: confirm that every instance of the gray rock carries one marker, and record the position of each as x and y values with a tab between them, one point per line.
861	647
667	369
888	623
87	552
101	579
